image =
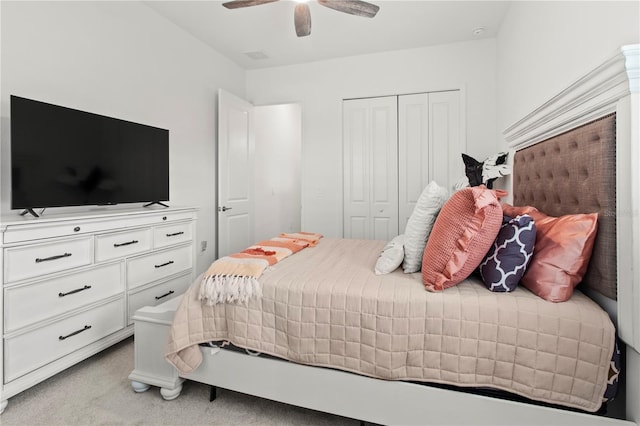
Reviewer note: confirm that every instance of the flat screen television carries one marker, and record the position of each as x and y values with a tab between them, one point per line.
65	157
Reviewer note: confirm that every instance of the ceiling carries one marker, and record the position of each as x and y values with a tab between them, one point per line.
268	29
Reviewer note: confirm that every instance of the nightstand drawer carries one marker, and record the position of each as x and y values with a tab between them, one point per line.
29	351
40	259
164	236
145	269
28	304
158	294
121	244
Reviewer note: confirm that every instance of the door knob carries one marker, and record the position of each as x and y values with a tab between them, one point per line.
224	208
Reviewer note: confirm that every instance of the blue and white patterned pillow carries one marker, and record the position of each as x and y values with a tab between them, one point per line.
506	261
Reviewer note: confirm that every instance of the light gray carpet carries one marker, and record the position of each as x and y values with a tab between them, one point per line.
97	392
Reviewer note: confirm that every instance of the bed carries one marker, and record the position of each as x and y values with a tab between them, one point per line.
331	335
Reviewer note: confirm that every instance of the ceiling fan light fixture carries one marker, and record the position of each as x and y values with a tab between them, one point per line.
302	16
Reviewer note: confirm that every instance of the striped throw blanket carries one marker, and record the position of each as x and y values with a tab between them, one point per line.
234	278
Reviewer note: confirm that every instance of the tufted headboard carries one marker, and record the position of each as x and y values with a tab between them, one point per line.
575	173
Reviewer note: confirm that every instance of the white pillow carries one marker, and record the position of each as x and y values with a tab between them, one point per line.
391	256
420	223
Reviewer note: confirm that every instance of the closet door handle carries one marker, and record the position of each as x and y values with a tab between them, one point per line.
77	290
164	264
165	295
86	327
175	234
125	244
46	259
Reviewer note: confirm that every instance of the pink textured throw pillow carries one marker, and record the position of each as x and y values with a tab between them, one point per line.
461	236
561	254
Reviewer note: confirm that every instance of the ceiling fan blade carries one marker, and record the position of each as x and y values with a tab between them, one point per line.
234	4
302	20
353	7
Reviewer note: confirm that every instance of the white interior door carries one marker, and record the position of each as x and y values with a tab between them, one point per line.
445	138
235	174
370	140
414	152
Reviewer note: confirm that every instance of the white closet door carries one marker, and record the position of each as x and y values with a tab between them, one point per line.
393	147
370	140
429	145
445	139
235	178
414	156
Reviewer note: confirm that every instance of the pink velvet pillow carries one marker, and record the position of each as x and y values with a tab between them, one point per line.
561	254
463	232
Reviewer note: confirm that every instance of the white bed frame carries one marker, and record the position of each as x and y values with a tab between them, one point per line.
611	87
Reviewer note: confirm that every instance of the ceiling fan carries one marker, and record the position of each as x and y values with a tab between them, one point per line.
302	15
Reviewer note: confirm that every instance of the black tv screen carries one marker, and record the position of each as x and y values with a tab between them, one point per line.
66	157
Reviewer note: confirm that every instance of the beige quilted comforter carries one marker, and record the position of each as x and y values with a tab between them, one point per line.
325	306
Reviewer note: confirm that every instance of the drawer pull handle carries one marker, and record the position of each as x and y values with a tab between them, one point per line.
77	290
46	259
175	233
164	264
128	243
86	327
165	295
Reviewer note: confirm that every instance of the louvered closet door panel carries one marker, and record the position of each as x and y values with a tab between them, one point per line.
370	168
445	139
414	156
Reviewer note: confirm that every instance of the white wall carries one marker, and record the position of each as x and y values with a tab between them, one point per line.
320	88
543	46
121	59
277	141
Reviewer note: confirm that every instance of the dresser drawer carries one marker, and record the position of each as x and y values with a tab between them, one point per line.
39	259
27	229
26	352
28	304
41	231
158	294
164	236
145	269
121	244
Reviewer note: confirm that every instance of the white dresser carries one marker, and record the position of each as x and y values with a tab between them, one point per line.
71	284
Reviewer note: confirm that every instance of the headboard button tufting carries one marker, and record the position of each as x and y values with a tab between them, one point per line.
577	175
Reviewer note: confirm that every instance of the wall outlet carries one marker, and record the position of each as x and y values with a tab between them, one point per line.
203	246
